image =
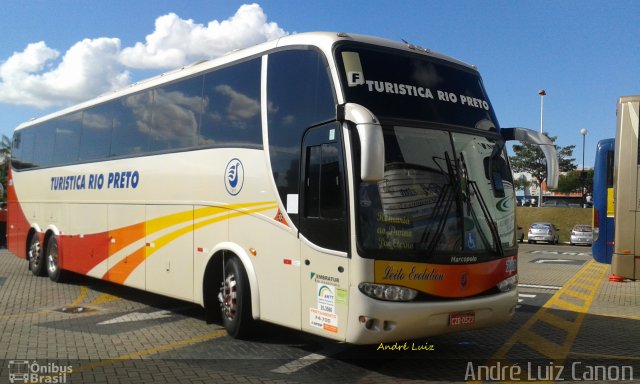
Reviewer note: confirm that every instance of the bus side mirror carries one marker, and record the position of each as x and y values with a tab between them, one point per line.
371	140
525	135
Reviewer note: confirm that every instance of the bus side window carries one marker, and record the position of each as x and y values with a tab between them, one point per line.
28	144
176	115
300	95
131	125
16	150
45	140
67	144
231	99
97	123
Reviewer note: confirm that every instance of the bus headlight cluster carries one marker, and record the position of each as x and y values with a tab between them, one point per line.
388	292
508	284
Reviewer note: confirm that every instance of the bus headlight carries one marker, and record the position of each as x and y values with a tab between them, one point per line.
508	284
388	292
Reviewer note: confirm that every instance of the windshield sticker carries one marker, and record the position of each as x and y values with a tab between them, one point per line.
353	67
356	78
471	240
423	92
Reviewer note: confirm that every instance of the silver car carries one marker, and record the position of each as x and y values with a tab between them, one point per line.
543	232
581	234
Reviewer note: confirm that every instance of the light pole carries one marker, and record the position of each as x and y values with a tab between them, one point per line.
583	176
542	94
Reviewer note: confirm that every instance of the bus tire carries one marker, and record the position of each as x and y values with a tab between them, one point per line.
52	257
235	300
34	253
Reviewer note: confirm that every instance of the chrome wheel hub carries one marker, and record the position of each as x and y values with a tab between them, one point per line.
228	297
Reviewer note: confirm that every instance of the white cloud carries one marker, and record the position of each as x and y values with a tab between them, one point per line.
88	68
176	42
38	76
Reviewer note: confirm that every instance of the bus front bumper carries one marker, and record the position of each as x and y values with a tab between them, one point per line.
374	321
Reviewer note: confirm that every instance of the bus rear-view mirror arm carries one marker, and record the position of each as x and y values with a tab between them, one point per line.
525	135
371	140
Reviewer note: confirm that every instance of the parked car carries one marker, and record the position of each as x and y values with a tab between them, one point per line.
543	232
519	234
581	234
555	203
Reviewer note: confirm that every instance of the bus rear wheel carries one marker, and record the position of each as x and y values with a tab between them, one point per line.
36	264
53	260
235	299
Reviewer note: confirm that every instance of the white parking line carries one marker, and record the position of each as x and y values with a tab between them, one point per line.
310	359
524	296
297	365
539	286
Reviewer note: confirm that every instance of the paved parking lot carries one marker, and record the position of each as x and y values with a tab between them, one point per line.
92	331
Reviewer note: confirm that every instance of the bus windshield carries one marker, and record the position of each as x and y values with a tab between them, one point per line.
443	193
447	186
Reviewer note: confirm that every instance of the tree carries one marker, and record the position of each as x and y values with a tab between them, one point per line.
530	159
572	181
522	183
5	155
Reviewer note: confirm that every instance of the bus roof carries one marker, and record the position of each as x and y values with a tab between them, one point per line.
325	41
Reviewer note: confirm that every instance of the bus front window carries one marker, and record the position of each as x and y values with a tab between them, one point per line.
443	193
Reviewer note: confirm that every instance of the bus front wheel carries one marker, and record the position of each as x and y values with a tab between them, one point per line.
36	264
235	299
53	260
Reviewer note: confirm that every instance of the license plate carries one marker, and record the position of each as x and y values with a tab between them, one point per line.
460	319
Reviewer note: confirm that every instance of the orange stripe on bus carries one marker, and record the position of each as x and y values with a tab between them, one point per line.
122	237
122	270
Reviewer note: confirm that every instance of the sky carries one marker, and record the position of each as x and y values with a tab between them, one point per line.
584	54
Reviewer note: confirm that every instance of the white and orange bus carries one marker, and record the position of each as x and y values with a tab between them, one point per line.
347	186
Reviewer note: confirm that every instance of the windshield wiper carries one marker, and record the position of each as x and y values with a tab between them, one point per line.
469	184
492	224
465	178
440	211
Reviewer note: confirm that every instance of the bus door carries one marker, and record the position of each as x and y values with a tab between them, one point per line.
324	232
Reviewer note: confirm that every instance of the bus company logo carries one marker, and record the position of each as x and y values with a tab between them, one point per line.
234	177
